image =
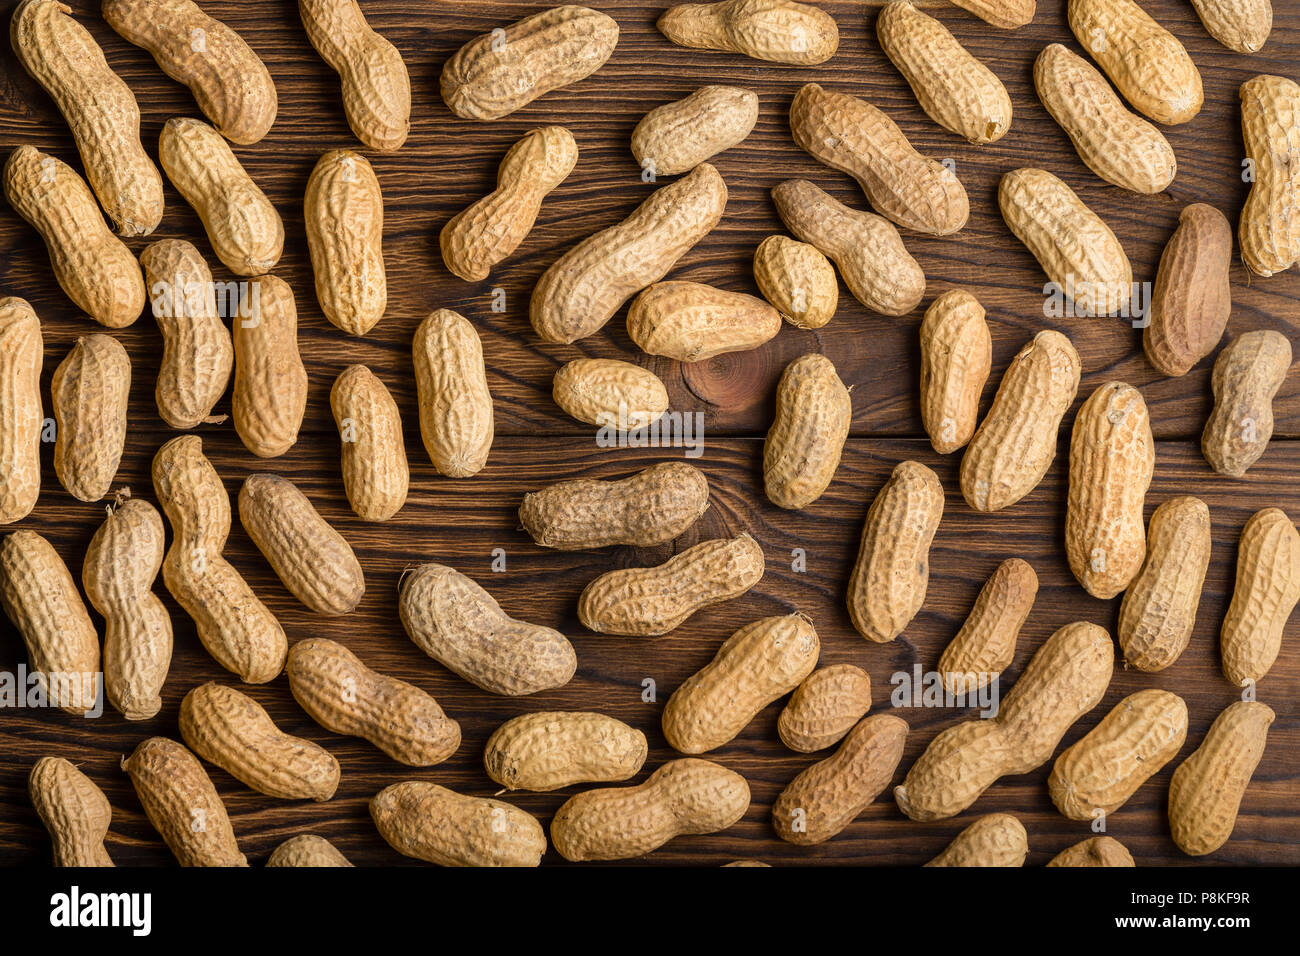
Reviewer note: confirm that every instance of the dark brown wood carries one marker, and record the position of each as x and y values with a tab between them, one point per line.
446	165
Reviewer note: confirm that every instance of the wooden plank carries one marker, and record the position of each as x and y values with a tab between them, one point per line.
461	523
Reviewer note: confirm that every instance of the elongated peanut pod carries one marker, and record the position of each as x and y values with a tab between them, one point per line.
376	475
956	358
431	823
1264	595
21	418
825	707
779	31
1003	14
456	418
91	389
804	444
1269	231
1247	375
1240	25
74	810
1192	299
344	212
554	749
607	392
270	392
694	322
986	643
234	626
121	565
998	839
678	136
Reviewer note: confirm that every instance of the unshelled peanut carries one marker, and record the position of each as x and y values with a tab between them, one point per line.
986	643
1240	25
780	31
502	71
456	419
376	475
1097	851
1003	14
1095	776
122	562
235	627
610	393
647	602
620	823
233	731
583	288
832	793
344	215
804	444
1158	612
228	80
678	136
1192	299
1265	593
851	135
550	750
345	696
462	627
892	570
824	707
693	322
649	508
479	237
796	278
307	849
1247	374
376	86
431	823
270	392
759	663
956	358
1269	230
91	389
998	839
74	810
867	248
182	804
21	418
1015	444
1206	790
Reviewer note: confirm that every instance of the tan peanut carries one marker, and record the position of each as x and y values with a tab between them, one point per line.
1265	593
21	417
307	849
1119	146
759	663
497	73
832	793
198	353
91	389
1269	230
1112	459
647	602
243	227
99	108
986	643
235	627
956	90
1097	851
892	570
122	561
1206	790
484	234
824	707
620	823
796	278
1065	679
998	839
851	135
462	627
1240	25
182	804
1247	374
341	694
431	823
803	446
1158	612
780	31
693	322
649	508
91	265
376	475
678	136
550	750
1077	250
270	393
1003	14
74	810
314	561
456	420
745	863
607	392
229	81
344	213
376	86
1192	299
866	248
1095	776
956	358
233	731
1015	444
1144	60
41	600
583	288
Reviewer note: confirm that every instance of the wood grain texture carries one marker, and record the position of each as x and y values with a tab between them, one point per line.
447	164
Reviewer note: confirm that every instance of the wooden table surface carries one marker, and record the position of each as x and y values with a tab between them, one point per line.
445	165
